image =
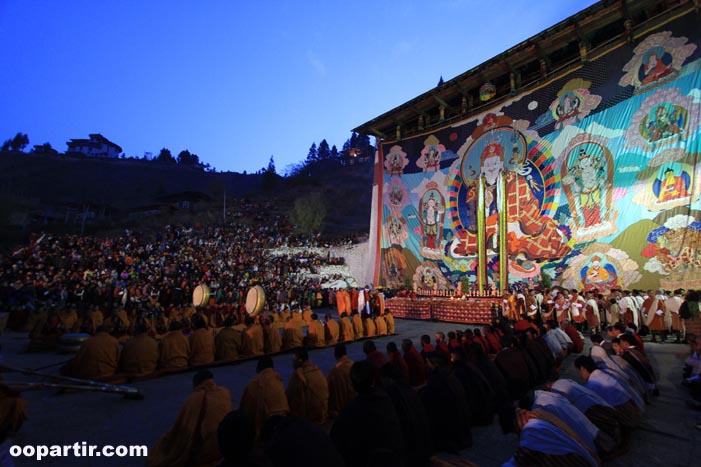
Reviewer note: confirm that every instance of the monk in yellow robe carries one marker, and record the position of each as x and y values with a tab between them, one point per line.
381	325
347	333
264	395
308	391
307	314
369	328
292	335
252	343
98	357
201	344
358	330
340	387
331	330
228	341
192	442
315	334
272	341
175	349
140	354
68	320
96	319
13	410
389	318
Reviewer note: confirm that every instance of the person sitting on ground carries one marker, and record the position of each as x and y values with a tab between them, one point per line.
236	438
610	390
380	325
426	346
228	341
340	386
479	393
264	395
192	441
368	431
140	354
97	358
332	330
175	349
307	392
396	359
544	440
315	333
252	342
272	342
292	335
639	361
201	343
415	363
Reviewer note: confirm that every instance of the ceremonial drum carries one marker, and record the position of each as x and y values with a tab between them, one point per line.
255	300
70	343
200	296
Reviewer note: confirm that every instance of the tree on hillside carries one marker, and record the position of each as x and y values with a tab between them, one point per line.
323	152
334	152
271	166
313	154
18	143
188	159
165	157
308	214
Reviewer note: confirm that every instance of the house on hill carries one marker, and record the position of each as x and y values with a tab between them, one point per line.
96	146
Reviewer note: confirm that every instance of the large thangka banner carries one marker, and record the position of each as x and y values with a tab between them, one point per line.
593	179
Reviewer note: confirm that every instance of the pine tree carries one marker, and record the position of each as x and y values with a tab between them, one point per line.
271	166
313	154
323	152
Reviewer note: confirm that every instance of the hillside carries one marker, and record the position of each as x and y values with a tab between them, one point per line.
66	194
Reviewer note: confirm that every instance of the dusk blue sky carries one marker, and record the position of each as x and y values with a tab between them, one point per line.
238	81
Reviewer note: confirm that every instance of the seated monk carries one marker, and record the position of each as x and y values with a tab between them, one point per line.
292	336
98	357
13	411
68	321
389	318
308	391
175	349
332	330
264	395
370	330
347	334
252	343
140	354
357	325
380	325
341	389
315	334
228	341
272	342
201	343
193	439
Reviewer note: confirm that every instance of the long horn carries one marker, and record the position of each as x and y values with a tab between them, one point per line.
129	393
82	383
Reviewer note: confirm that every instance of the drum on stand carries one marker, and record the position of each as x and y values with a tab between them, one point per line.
200	296
255	300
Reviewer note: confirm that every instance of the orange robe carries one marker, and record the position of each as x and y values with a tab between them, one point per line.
292	336
357	326
201	347
370	328
98	357
381	326
308	393
68	320
13	410
272	339
341	389
192	442
347	333
139	356
654	320
315	334
389	318
227	344
175	351
331	332
252	343
264	397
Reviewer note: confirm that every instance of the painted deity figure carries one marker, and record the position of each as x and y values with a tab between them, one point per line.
599	275
671	186
432	214
654	68
588	183
665	123
509	193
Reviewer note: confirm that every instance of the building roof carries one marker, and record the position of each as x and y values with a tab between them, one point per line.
96	140
531	63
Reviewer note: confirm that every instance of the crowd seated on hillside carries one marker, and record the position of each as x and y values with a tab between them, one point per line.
416	404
